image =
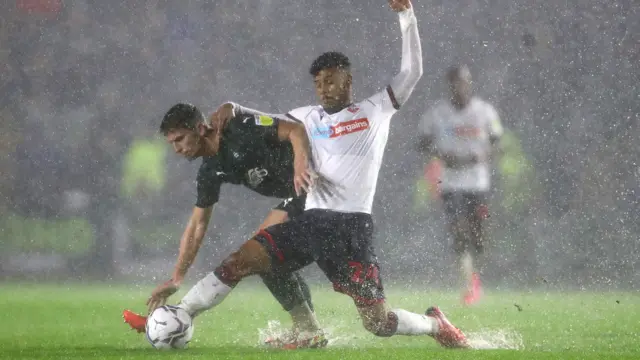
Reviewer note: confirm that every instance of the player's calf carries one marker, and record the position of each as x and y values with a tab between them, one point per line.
459	229
385	325
306	292
288	289
476	233
470	250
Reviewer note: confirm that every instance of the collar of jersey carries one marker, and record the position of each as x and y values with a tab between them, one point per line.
323	112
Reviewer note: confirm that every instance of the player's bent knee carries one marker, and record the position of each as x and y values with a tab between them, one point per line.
254	257
228	272
268	248
236	266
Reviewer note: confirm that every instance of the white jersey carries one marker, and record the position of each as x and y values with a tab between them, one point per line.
347	146
347	149
464	134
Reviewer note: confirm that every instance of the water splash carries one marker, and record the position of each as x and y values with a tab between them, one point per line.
275	330
486	339
338	335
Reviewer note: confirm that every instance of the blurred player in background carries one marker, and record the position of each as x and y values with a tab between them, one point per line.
261	153
462	133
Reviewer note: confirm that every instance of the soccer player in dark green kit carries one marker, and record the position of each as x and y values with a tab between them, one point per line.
265	154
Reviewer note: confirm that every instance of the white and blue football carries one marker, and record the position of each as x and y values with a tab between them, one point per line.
169	327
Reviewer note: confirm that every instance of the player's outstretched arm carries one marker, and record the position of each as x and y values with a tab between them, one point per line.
243	110
227	111
404	82
296	134
189	246
191	240
238	109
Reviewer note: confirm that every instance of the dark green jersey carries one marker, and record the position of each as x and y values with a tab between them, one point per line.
251	155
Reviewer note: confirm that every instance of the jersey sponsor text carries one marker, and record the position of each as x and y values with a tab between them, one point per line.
341	128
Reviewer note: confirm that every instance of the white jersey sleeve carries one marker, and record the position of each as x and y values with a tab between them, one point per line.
402	85
385	102
301	114
243	110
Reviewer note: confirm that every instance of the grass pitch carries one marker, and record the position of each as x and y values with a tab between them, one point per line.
83	322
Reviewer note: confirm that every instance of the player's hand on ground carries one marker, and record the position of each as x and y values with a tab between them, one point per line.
399	5
220	118
161	293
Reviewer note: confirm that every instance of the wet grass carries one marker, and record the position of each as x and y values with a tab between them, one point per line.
82	322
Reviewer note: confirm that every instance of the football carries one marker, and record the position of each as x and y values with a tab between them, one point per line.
169	327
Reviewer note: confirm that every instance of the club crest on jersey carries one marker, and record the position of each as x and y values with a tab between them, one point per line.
256	176
353	109
340	129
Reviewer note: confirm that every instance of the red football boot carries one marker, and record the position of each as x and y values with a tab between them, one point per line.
448	335
137	322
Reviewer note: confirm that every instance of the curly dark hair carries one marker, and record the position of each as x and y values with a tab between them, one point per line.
330	60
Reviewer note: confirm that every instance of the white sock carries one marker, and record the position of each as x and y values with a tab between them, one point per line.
466	266
204	295
415	324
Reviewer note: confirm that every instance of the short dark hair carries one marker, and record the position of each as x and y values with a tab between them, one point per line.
181	116
458	72
330	60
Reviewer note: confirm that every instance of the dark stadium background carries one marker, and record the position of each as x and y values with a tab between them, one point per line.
81	80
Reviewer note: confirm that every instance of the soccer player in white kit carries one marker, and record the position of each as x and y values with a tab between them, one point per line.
462	133
347	142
